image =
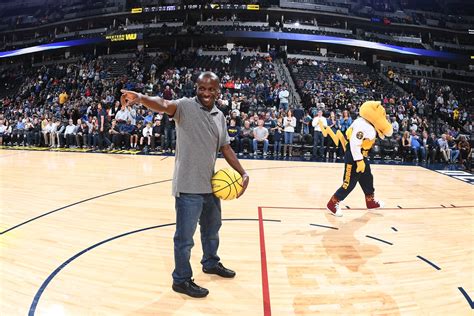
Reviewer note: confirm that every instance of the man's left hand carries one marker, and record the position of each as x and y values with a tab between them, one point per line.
245	183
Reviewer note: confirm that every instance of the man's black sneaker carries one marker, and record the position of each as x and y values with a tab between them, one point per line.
190	288
220	270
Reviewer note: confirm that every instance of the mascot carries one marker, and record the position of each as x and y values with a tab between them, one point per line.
359	139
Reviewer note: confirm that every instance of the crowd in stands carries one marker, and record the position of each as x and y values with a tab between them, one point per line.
427	107
76	105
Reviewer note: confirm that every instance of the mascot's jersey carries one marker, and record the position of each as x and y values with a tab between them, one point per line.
361	138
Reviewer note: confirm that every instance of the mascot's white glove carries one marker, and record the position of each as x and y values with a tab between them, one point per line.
360	166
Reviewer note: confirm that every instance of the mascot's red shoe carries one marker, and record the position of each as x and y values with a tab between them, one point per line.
372	203
333	206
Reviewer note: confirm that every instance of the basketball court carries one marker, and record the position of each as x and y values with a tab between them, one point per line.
92	234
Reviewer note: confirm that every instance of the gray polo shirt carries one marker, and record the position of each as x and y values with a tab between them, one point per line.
200	134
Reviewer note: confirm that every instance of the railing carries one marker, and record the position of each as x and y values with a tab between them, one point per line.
312	6
232	23
329	59
316	28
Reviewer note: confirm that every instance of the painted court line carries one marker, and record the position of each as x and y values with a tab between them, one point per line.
267	311
429	262
468	299
319	225
375	238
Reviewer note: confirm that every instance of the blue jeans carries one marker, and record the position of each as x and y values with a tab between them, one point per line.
284	106
288	138
191	209
277	147
265	145
318	146
454	155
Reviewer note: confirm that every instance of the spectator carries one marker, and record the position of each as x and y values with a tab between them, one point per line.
444	148
432	147
234	132
405	147
46	132
318	146
277	137
465	151
137	130
82	135
333	124
147	134
416	147
289	124
245	138
283	95
125	133
158	137
453	146
345	122
114	132
260	135
395	125
70	134
63	97
3	129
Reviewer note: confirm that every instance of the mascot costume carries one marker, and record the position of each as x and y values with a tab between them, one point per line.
359	139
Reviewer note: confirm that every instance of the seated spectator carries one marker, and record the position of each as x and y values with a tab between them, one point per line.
444	148
114	132
147	135
3	129
465	151
157	135
433	148
245	138
46	131
82	135
61	141
53	137
70	134
138	130
260	135
234	132
33	131
125	132
453	146
93	138
405	146
416	147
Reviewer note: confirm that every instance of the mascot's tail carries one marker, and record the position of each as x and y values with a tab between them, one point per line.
337	137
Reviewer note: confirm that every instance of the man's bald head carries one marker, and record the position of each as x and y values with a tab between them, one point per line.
207	75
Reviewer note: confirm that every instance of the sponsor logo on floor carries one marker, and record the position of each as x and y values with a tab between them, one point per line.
459	174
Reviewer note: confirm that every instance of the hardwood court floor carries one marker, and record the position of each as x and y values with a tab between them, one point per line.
89	234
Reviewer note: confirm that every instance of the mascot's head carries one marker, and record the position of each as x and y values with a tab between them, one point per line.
374	113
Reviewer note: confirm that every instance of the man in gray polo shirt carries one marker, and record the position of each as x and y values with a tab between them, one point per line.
201	132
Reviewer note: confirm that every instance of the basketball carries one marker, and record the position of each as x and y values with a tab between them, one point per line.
226	184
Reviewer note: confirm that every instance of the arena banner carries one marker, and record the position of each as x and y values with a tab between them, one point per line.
124	37
50	46
344	41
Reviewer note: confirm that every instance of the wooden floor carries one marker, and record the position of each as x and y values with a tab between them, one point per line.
92	234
